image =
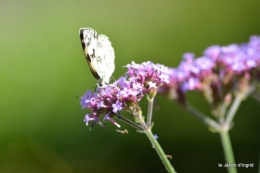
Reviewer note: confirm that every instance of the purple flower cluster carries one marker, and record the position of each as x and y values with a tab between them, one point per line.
125	93
220	72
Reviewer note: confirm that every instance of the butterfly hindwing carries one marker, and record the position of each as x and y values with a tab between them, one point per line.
105	57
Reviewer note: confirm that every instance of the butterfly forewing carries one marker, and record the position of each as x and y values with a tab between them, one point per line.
99	54
88	39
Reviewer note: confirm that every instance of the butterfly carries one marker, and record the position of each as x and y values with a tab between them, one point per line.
99	53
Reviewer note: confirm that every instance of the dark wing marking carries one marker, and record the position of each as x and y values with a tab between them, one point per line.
87	55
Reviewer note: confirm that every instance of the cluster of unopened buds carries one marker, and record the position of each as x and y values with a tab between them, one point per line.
220	74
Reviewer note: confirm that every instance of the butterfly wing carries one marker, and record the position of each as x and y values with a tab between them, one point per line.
99	53
89	38
105	56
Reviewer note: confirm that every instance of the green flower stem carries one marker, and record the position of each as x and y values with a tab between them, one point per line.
232	111
225	139
157	146
129	122
206	120
150	111
228	152
238	99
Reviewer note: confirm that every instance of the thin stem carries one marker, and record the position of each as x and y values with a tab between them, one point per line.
150	111
223	109
228	152
238	99
206	120
225	139
129	122
232	111
157	146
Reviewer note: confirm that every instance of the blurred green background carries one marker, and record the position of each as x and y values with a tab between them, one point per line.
42	69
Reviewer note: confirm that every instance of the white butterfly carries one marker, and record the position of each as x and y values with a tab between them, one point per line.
99	53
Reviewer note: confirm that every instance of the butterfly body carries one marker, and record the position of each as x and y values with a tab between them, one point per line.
99	54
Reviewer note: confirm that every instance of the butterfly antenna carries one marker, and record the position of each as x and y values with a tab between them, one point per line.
82	92
112	79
